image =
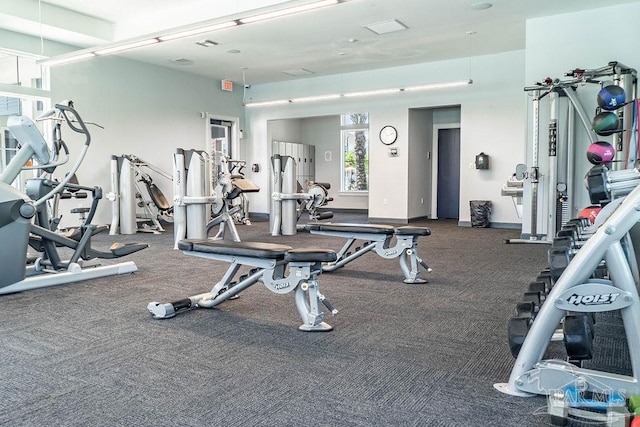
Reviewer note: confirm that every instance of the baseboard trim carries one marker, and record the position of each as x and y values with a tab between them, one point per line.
507	225
388	220
345	210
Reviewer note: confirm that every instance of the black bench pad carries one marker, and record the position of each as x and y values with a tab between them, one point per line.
310	255
248	249
352	228
409	230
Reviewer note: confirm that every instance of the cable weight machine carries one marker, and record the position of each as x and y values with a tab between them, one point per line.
552	185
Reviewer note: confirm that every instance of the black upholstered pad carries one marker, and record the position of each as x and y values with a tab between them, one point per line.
248	249
408	230
356	228
310	255
186	245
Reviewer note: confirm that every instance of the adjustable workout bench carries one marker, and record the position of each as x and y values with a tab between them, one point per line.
378	238
269	262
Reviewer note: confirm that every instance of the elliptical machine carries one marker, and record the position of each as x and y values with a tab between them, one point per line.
25	221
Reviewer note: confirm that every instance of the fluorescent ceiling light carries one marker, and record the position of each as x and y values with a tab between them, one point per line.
191	32
267	103
360	94
288	11
316	98
197	31
437	86
370	93
67	59
127	46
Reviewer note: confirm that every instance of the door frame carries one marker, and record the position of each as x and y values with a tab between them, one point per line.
235	133
434	170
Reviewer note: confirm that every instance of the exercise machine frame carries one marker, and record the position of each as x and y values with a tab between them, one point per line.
18	211
269	263
557	176
377	238
576	291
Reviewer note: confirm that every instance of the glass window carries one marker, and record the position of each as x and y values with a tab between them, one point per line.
355	152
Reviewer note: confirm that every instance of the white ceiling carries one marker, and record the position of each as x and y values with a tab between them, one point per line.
332	40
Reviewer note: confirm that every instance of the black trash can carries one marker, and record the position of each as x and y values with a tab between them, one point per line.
480	213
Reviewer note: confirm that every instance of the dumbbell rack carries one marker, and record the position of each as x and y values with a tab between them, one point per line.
575	291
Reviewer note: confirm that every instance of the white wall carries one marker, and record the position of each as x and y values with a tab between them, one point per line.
285	131
557	44
421	163
492	120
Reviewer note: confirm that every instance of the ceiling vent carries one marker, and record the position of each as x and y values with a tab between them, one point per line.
207	43
297	72
386	27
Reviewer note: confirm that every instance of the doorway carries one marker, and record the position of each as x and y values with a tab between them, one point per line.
448	173
221	136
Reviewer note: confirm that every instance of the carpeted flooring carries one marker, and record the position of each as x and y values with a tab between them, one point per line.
89	354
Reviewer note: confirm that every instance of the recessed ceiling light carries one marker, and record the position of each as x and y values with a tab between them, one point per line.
482	5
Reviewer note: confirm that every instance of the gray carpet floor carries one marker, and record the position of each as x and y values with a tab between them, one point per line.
89	354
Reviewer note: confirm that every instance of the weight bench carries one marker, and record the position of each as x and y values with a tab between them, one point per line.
269	264
376	237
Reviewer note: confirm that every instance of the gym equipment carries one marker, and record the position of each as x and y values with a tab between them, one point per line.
269	263
204	191
611	97
609	409
634	408
288	202
518	326
514	188
67	194
605	185
600	153
376	238
577	329
553	179
17	212
606	123
131	188
241	201
590	213
575	291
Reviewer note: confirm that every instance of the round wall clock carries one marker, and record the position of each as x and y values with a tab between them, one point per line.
388	135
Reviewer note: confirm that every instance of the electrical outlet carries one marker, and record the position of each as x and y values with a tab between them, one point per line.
384	201
422	201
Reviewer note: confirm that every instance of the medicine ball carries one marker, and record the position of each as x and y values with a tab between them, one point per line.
590	212
611	97
606	123
600	153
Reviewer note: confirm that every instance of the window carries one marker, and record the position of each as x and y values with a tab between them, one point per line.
23	90
354	135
